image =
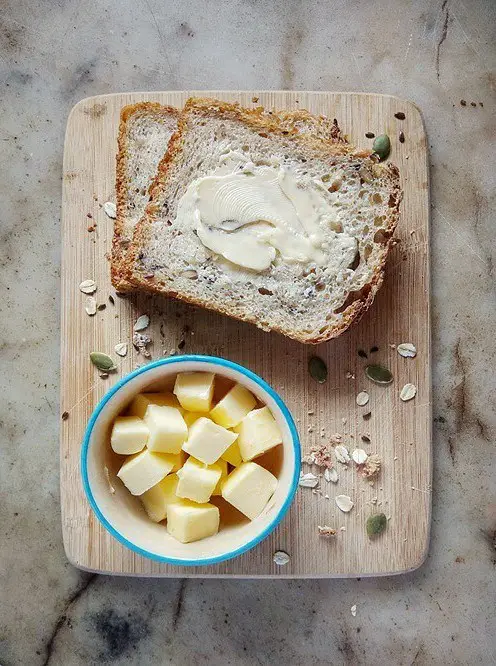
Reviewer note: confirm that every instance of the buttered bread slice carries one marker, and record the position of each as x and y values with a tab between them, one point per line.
251	217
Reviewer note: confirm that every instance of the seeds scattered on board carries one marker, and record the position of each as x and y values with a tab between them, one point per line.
342	455
407	350
280	558
344	503
408	392
308	480
121	348
379	374
376	524
317	369
87	286
90	306
359	456
110	209
326	531
362	398
331	475
382	146
142	323
102	361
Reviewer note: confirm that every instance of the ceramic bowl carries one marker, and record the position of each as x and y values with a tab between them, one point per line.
123	515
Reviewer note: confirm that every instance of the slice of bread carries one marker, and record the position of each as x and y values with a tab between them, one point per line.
310	301
144	133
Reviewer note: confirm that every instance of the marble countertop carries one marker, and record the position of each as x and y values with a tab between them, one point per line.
437	54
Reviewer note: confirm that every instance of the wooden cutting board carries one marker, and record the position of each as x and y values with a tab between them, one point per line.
400	432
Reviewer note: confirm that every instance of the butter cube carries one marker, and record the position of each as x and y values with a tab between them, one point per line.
129	435
207	441
140	403
188	521
248	488
159	497
144	470
197	481
223	465
233	407
233	455
195	390
258	432
191	417
168	431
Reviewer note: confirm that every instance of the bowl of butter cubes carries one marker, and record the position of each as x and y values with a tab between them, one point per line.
191	460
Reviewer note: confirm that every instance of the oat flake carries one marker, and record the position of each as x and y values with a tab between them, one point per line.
407	350
331	475
308	480
359	456
90	306
280	558
344	503
110	209
353	610
408	392
362	398
121	348
87	286
342	454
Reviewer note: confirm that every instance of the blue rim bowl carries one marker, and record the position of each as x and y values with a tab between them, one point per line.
116	517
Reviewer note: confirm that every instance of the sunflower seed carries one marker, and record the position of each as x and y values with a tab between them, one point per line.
280	558
308	480
344	503
342	454
142	323
407	350
359	456
331	475
362	398
121	348
382	146
110	209
87	286
102	361
408	392
317	369
379	374
376	524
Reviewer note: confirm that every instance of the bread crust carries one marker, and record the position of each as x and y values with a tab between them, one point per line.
119	243
285	124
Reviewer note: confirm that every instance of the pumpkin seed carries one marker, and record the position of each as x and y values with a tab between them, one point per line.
379	374
407	350
142	323
102	361
376	524
362	398
317	369
110	209
344	503
382	146
408	392
87	286
280	558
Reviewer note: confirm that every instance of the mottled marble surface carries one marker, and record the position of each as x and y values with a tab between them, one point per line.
54	53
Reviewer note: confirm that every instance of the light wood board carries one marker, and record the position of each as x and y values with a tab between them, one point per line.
399	432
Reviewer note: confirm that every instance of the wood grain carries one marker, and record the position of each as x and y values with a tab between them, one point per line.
399	432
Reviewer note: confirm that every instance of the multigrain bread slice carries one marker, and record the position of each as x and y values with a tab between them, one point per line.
144	133
312	297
